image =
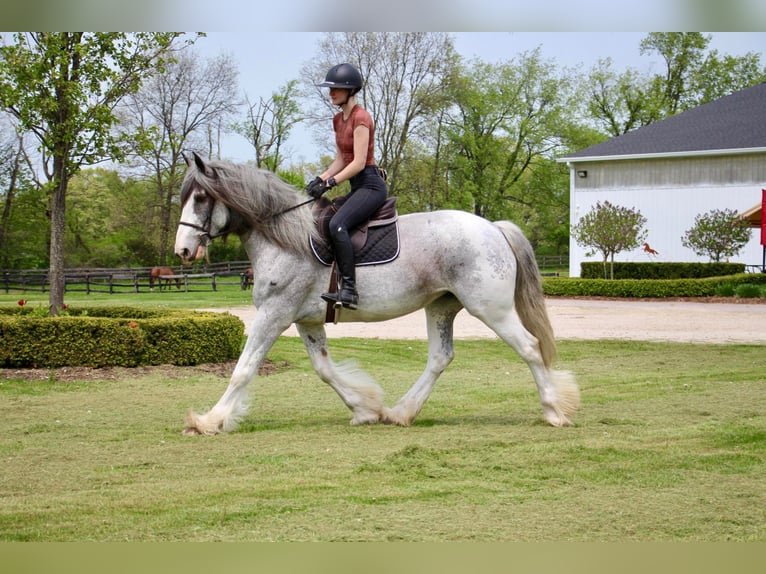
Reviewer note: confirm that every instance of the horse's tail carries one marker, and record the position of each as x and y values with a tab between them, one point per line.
529	299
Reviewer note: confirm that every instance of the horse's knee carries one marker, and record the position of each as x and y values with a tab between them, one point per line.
440	360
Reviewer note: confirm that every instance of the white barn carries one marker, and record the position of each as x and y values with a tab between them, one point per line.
710	157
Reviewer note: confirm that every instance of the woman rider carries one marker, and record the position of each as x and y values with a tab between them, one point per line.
355	162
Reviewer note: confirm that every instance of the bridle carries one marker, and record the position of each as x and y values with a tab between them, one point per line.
204	229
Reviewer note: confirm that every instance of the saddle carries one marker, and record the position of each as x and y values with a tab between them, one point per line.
375	242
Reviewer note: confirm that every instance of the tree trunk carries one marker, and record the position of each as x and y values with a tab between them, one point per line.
57	212
8	202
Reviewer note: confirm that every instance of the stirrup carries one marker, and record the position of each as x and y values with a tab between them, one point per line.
337	299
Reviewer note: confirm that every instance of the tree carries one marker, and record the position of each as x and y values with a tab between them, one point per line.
63	87
177	109
269	123
620	102
683	53
717	233
610	229
504	125
691	77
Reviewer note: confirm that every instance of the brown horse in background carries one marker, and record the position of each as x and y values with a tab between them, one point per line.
157	274
246	279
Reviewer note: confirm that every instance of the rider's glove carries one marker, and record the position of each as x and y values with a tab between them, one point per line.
316	188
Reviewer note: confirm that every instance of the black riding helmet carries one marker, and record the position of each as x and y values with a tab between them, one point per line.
343	76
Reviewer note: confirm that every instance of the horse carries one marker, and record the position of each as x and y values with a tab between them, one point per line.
246	279
449	260
160	274
649	250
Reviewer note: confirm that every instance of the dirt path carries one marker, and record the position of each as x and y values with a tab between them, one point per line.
698	322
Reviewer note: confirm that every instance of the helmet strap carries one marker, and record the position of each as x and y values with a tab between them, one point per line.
349	94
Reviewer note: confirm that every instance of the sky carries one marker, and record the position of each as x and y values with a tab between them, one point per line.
268	60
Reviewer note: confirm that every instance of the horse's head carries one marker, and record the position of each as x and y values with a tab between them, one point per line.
203	218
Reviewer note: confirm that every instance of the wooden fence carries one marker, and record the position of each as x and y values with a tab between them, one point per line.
131	280
138	279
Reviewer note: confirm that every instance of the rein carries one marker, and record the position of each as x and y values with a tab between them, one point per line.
295	207
205	227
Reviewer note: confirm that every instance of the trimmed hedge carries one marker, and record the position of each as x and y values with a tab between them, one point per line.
660	270
647	288
117	336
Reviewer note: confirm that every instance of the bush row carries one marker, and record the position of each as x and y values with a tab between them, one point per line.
660	270
117	336
706	287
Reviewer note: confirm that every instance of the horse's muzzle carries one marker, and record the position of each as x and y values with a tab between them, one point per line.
186	256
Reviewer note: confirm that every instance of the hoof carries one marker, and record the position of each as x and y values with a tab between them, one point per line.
190	431
365	419
390	417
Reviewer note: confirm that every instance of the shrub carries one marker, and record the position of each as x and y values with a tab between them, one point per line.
725	290
648	288
660	270
748	291
117	336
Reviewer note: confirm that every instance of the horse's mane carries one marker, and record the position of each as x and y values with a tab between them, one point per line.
257	199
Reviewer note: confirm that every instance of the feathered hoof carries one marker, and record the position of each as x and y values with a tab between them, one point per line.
365	419
195	425
558	421
395	417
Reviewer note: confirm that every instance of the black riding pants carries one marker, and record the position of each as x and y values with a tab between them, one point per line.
368	193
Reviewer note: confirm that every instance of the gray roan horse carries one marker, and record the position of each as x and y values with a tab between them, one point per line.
449	260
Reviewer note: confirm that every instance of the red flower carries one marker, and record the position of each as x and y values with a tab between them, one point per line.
22	302
64	306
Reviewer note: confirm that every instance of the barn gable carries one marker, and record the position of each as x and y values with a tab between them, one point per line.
710	157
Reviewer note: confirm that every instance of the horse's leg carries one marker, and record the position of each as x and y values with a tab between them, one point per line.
559	394
232	406
356	389
440	316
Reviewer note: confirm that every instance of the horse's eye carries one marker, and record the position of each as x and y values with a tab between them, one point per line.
200	198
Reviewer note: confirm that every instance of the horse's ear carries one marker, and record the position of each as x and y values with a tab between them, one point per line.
198	161
202	167
186	159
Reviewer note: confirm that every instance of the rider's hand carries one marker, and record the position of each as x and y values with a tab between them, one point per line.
316	188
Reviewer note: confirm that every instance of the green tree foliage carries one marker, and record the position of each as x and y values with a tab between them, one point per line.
610	229
683	53
63	87
620	102
268	125
23	226
692	75
719	233
502	131
107	221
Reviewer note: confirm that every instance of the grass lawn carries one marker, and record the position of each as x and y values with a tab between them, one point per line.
670	445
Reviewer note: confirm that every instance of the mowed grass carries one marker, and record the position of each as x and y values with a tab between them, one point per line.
670	445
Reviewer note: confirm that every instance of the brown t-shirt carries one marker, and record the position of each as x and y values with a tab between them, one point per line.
344	133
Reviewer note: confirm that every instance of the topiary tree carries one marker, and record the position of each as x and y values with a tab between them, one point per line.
610	229
717	233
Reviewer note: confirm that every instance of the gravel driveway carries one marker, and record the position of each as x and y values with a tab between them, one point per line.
684	321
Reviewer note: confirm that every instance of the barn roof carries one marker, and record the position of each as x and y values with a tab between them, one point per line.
736	122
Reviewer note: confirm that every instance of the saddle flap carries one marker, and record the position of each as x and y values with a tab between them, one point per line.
325	208
374	242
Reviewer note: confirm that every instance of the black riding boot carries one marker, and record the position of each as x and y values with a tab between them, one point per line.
344	258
